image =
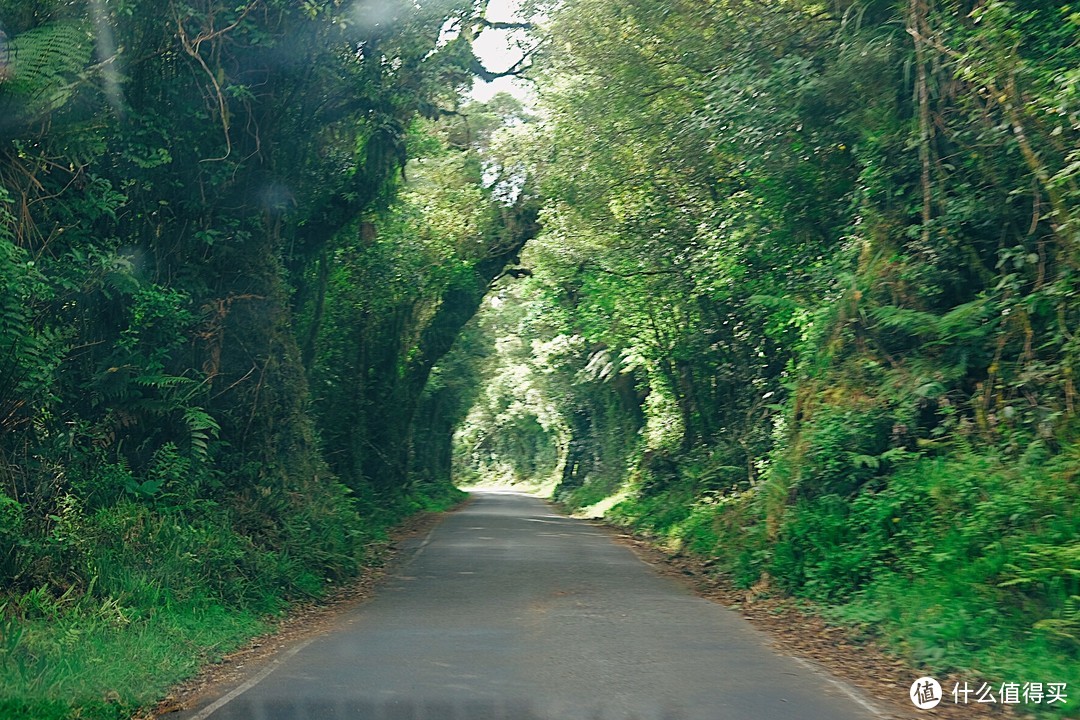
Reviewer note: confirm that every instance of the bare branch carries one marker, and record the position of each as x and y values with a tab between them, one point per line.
516	70
478	69
489	25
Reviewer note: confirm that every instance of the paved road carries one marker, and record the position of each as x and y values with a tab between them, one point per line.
512	612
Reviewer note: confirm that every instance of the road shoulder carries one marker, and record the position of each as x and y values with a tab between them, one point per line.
797	632
302	623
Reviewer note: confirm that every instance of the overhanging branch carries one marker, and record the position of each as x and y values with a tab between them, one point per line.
489	25
515	70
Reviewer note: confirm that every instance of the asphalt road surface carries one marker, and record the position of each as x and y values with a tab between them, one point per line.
509	611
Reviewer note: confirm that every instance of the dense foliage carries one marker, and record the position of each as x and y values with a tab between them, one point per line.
806	303
233	237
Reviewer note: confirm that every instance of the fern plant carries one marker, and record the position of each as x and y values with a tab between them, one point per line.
1053	572
43	69
29	353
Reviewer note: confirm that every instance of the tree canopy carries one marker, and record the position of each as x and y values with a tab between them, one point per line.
805	303
791	285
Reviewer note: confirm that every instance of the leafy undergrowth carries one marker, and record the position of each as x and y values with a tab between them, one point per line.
967	566
167	592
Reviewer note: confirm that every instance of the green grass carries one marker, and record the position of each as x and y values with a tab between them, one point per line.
137	598
83	665
967	565
961	630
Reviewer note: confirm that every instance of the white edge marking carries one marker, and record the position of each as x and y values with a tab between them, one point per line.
817	670
251	682
278	662
427	541
842	686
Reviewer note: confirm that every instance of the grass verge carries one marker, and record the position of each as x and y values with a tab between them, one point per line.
163	600
966	566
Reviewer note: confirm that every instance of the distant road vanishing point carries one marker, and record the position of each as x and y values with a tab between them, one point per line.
509	611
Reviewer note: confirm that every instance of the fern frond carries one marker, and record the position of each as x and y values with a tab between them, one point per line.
967	321
202	428
45	64
164	381
913	322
